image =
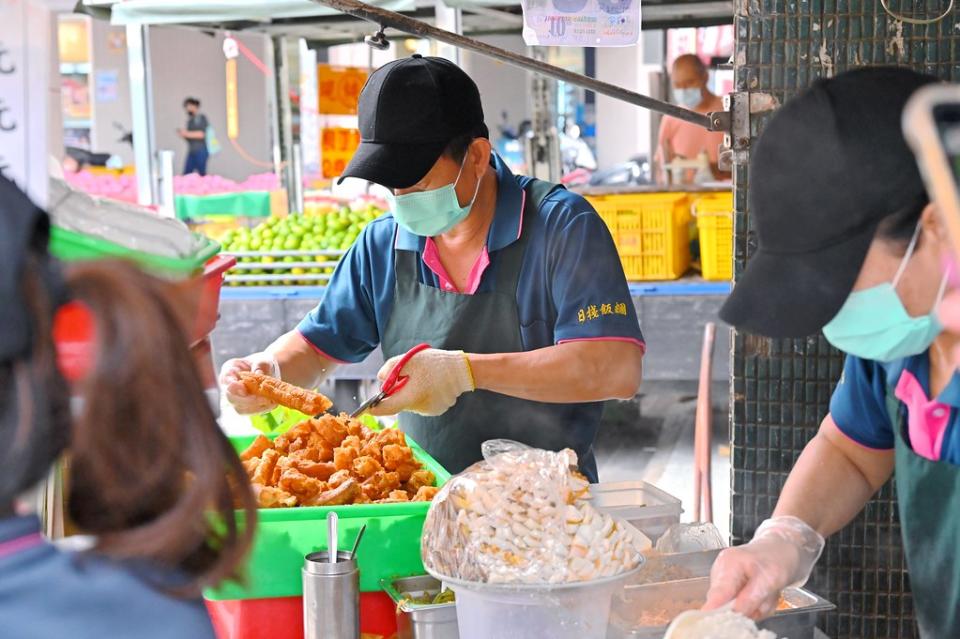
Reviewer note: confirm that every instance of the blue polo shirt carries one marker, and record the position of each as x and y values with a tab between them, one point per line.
572	286
46	593
859	404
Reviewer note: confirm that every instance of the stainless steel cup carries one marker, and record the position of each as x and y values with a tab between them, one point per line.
331	597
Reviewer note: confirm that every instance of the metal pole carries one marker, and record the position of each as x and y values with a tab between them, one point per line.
297	178
449	19
141	108
273	113
542	146
166	198
400	22
282	76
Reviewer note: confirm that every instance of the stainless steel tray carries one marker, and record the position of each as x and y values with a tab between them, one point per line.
414	621
687	565
645	611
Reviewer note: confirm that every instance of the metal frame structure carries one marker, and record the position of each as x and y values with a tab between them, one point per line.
141	98
400	22
142	103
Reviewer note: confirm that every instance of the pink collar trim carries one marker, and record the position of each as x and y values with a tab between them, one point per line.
20	544
927	419
523	207
431	257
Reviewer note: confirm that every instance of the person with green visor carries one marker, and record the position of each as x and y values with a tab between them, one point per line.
848	242
515	284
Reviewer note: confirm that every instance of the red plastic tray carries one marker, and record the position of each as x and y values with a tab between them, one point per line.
73	330
208	306
282	617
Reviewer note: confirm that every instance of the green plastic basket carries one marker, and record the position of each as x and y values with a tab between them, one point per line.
390	548
281	419
71	246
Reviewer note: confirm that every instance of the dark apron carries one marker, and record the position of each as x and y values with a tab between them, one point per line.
480	323
928	494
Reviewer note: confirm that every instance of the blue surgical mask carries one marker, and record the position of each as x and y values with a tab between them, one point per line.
433	212
688	98
873	324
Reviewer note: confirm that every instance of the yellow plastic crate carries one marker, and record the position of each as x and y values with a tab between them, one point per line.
714	213
651	232
102	170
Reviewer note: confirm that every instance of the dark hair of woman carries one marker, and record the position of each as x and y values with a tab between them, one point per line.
152	476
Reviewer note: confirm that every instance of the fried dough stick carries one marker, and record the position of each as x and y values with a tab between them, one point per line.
345	493
257	448
285	394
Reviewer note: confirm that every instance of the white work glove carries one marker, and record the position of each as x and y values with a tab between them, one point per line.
437	379
781	555
236	393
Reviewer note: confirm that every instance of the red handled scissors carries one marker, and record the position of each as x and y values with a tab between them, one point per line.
393	383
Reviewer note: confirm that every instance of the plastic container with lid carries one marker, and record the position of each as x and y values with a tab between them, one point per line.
642	505
578	610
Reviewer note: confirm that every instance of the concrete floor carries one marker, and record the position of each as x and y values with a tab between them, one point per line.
652	440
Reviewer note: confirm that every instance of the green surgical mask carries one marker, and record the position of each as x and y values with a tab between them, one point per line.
873	323
688	98
433	212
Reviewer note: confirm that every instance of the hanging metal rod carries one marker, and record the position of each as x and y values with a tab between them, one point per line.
400	22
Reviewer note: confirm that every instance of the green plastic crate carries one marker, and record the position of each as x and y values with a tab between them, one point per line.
390	547
71	246
243	204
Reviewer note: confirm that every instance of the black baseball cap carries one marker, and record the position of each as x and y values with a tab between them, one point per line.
829	167
24	235
409	111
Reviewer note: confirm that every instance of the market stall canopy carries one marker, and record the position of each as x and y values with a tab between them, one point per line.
322	25
224	11
656	14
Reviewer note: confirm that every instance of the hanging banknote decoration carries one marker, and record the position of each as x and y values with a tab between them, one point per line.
581	23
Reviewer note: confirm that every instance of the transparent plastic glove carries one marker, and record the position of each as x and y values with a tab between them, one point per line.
242	401
782	554
437	379
690	538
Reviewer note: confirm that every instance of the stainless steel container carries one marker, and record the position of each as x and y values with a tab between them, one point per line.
686	565
331	597
645	611
414	621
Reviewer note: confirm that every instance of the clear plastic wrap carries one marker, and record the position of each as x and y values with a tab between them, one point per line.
125	224
523	516
690	538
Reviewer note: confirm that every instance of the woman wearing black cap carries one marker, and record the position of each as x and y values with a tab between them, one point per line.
849	243
151	474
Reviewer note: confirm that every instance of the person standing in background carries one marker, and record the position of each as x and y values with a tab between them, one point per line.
679	139
196	136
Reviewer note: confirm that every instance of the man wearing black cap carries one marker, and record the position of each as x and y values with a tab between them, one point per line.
515	284
849	243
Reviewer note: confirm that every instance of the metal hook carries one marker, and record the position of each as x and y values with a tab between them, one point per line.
378	40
